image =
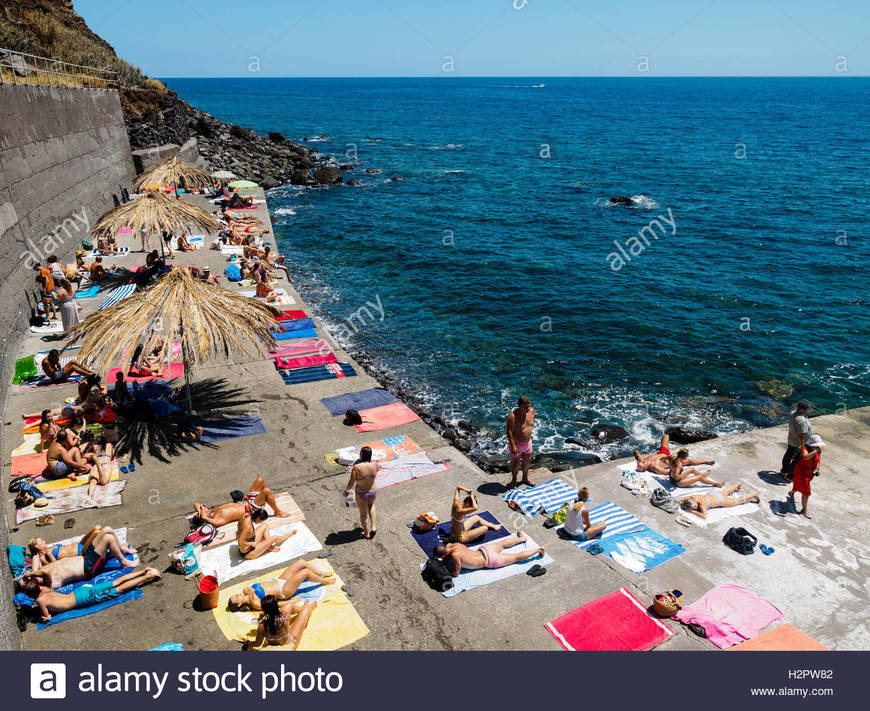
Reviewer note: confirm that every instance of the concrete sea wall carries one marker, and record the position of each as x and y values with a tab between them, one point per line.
63	152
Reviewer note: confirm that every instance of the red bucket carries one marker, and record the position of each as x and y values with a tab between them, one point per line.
209	592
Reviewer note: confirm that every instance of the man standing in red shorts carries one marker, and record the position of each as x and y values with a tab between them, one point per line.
805	470
519	436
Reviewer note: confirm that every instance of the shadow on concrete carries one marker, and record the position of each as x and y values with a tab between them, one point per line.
341	537
781	508
768	476
492	488
167	435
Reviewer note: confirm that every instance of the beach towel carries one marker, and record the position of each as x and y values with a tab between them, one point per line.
170	372
75	499
305	361
413	466
333	624
116	295
226	563
134	594
119	252
318	372
228	427
292	335
470	579
52	327
88	293
49	485
618	521
293	325
785	638
441	535
548	497
729	614
48	382
384	449
291	315
30	445
28	465
360	400
232	249
299	347
233	272
616	622
227	533
716	515
639	550
381	418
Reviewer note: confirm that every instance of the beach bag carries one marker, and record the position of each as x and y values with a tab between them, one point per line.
668	603
184	560
663	500
740	540
203	535
561	514
352	417
630	481
436	575
425	522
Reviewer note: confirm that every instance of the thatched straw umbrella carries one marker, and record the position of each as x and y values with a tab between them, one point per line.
175	172
209	321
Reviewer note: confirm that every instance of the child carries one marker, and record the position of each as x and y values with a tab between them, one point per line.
577	524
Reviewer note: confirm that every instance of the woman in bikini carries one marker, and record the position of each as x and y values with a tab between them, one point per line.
43	554
699	505
682	471
275	626
465	527
282	588
48	429
254	542
363	477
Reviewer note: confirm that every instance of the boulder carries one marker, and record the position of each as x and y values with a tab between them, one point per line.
277	137
300	176
560	461
621	200
269	181
344	167
353	182
598	434
374	171
328	175
689	435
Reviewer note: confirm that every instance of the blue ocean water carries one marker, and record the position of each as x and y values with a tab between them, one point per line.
494	256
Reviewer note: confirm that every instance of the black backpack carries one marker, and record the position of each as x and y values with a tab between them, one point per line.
352	417
740	540
436	575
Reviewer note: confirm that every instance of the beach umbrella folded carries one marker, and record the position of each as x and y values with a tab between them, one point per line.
156	213
174	171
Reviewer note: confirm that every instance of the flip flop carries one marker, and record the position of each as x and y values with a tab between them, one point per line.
124	470
683	521
132	467
767	550
347	591
324	554
595	549
536	570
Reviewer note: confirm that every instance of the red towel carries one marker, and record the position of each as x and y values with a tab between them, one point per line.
614	623
293	315
385	416
174	370
29	464
305	361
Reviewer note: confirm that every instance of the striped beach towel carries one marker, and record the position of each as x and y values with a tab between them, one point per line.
318	372
548	496
618	521
116	295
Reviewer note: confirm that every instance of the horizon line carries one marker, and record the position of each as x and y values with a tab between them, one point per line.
541	76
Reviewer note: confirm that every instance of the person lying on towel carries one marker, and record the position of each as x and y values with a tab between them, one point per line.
254	542
42	554
457	556
281	588
699	505
82	565
275	626
64	459
58	373
258	496
86	595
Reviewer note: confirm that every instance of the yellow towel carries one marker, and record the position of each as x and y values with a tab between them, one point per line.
334	623
58	484
30	445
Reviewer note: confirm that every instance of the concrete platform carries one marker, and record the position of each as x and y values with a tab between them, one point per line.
817	576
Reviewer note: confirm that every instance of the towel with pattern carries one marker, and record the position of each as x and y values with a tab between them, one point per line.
548	497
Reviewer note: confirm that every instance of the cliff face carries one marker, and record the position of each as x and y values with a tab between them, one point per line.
154	115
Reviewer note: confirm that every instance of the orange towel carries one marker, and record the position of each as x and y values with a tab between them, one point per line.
385	416
785	638
30	464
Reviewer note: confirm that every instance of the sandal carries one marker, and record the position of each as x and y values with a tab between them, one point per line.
346	590
536	570
806	515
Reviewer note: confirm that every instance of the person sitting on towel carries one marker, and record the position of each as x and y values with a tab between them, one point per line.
282	588
254	542
258	496
121	395
48	601
275	626
683	475
58	373
98	271
465	527
64	459
457	556
699	505
577	524
95	543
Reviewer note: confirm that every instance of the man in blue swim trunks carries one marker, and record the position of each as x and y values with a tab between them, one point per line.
50	602
64	459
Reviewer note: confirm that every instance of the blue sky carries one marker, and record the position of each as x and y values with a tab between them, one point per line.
308	38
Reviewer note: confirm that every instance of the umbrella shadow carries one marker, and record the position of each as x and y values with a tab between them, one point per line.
168	435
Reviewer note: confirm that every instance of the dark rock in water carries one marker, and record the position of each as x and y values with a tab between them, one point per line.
328	175
277	137
560	461
353	182
467	426
494	464
345	167
463	445
450	434
374	171
438	420
598	434
621	200
269	181
301	176
684	435
395	179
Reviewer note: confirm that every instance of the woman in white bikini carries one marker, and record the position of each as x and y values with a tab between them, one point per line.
275	626
699	505
363	480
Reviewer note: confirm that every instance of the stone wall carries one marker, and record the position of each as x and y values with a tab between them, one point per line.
147	158
63	152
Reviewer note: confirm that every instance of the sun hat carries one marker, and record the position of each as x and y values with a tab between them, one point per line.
815	441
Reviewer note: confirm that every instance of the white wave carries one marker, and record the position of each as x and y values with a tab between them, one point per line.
282	211
644	201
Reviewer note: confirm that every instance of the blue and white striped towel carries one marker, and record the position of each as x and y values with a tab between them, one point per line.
548	496
116	295
618	521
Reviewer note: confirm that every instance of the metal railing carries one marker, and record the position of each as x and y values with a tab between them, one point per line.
22	68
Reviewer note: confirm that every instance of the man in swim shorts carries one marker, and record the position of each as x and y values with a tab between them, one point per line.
457	556
657	462
85	595
64	459
258	496
519	436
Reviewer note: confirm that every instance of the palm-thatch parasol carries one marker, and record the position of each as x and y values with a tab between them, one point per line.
174	171
208	320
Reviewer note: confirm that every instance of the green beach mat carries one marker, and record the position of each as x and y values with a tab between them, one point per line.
25	369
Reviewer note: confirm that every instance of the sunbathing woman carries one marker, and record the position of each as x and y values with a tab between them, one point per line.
266	291
682	476
699	505
258	497
43	554
282	588
363	480
183	245
152	363
463	526
254	542
275	626
47	430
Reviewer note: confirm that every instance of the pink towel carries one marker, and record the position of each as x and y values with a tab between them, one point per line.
305	361
174	370
298	347
729	614
385	416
